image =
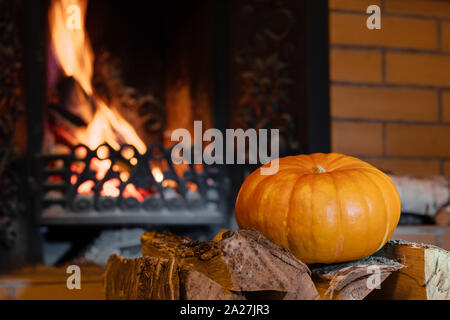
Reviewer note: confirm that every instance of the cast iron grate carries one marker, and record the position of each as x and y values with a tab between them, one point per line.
197	196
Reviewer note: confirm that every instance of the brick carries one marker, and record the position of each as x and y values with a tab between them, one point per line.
445	36
354	5
420	69
355	65
418	140
446	106
445	241
407	167
428	8
419	238
357	138
384	103
395	32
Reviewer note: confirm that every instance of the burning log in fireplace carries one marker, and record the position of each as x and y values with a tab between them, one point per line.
97	164
79	114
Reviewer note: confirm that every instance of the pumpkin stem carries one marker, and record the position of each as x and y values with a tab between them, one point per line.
319	169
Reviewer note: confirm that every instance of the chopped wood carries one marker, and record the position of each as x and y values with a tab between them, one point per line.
141	109
442	218
145	278
239	265
426	275
204	257
258	264
148	278
75	104
245	265
69	111
352	280
425	196
240	261
197	286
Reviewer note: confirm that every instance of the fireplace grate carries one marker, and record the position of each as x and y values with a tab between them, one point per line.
108	186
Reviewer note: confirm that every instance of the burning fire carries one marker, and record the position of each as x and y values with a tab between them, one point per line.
73	51
157	174
71	45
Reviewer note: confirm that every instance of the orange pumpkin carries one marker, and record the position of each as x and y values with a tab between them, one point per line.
324	208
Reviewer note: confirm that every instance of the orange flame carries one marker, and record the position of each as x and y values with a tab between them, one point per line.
72	45
86	187
111	188
73	51
157	174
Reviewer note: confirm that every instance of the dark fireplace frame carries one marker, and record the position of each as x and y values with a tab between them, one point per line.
238	27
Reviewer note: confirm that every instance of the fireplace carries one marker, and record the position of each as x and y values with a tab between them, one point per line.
102	97
106	155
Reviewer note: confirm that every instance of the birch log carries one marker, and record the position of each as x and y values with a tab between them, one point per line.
426	275
427	196
353	280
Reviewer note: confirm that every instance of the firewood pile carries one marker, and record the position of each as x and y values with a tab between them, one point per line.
245	265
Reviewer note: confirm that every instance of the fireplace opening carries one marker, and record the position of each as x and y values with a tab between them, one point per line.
105	83
112	103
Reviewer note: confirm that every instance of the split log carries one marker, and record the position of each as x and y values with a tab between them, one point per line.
204	257
150	278
144	278
76	105
141	109
246	265
240	265
69	110
242	262
442	217
427	196
352	280
426	275
196	286
257	264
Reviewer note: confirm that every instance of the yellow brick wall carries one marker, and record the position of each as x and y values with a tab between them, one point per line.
390	88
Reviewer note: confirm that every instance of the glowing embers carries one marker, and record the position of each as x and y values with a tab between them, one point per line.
152	190
106	180
157	174
107	169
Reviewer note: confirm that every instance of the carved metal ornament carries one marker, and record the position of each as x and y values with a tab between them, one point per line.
191	190
10	110
265	71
